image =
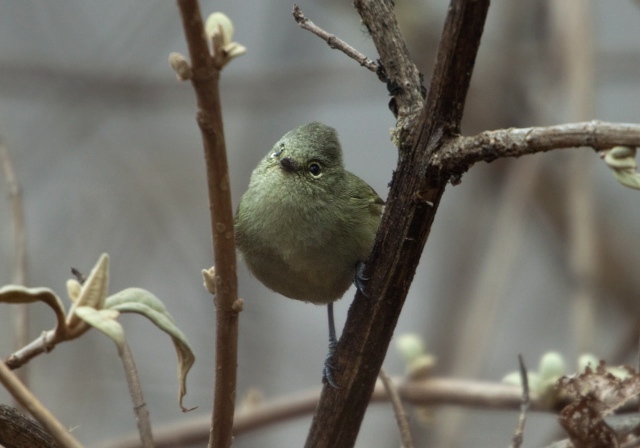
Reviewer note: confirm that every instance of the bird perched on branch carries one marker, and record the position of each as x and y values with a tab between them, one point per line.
305	226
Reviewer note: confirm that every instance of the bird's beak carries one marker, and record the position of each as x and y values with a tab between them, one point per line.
288	164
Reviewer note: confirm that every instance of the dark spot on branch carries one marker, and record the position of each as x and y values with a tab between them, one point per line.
456	179
488	153
423	89
393	176
381	72
394	88
393	107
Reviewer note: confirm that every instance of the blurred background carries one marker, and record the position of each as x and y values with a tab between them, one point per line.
526	255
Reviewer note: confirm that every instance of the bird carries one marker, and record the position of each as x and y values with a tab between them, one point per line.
305	226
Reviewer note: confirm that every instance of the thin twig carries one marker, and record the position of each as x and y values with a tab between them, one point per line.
18	390
135	390
21	313
47	339
205	83
459	154
401	416
524	406
334	42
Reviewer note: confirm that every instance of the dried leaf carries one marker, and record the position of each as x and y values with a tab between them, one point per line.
597	394
21	294
137	300
584	423
608	389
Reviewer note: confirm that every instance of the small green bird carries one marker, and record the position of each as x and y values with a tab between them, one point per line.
306	225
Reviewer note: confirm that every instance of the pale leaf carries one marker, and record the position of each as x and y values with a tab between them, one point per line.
93	292
105	321
137	300
21	294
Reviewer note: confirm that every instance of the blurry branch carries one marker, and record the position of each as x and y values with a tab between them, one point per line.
334	42
17	209
21	315
573	33
428	392
47	339
18	431
135	391
205	76
33	405
402	417
460	153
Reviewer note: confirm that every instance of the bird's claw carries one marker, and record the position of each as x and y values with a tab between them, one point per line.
327	370
359	279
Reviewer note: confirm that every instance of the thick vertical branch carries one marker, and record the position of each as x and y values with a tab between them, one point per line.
413	201
205	82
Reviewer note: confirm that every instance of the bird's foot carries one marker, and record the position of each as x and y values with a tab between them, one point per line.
359	279
327	371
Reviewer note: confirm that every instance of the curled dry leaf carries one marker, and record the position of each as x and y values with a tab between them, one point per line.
597	393
137	300
20	294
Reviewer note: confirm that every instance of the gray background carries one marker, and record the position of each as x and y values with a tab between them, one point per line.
105	144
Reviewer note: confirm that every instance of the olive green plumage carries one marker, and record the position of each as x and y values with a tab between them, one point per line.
305	222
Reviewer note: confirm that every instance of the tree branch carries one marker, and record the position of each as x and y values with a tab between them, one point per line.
35	408
429	392
205	77
518	437
18	431
17	210
411	206
404	82
19	277
402	418
334	42
459	154
135	391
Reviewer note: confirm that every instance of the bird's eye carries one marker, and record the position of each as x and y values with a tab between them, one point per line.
315	169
